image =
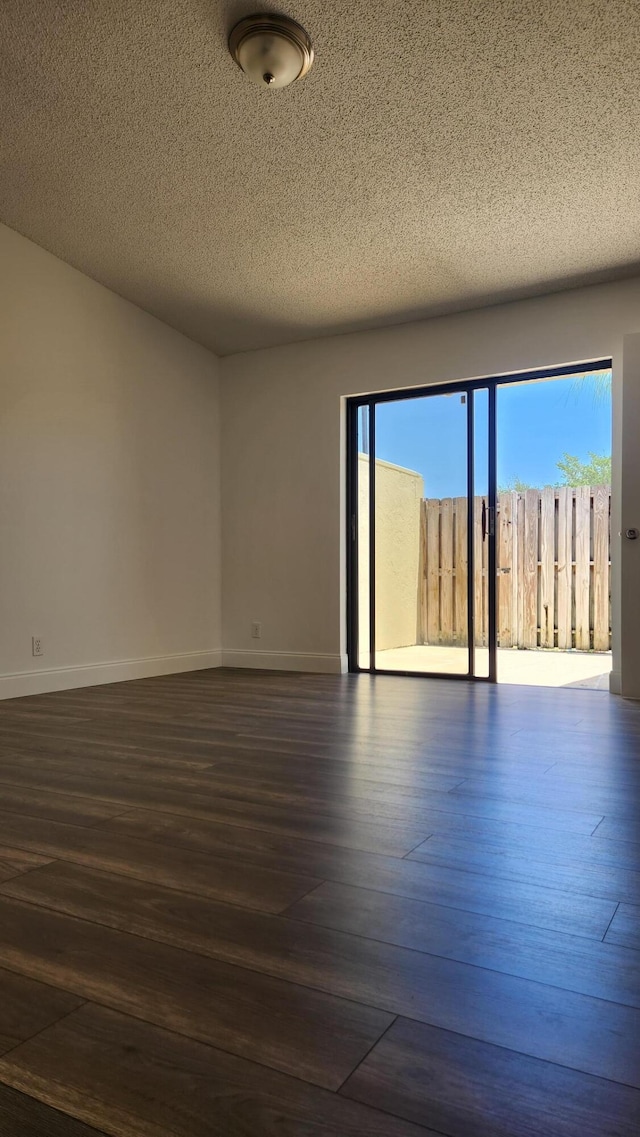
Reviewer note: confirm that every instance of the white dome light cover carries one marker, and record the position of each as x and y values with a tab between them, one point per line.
273	51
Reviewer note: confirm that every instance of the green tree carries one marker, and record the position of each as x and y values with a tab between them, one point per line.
515	485
575	472
599	382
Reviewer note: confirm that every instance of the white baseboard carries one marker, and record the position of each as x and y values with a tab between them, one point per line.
65	678
321	663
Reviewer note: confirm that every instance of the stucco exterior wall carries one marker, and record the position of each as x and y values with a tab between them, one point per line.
398	496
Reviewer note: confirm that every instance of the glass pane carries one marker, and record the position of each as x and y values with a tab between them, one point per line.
421	553
554	571
364	649
481	582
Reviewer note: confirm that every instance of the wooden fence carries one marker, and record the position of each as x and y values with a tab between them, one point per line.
553	563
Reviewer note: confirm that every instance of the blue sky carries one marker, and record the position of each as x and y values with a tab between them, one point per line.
537	423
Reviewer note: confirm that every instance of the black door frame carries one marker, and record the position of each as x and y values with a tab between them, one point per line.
463	387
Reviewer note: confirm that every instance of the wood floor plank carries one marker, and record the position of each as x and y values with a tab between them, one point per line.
55	806
526	1016
604	726
23	1116
351	774
327	778
573	793
27	1007
63	757
468	1089
23	776
472	743
606	882
615	828
621	769
16	861
383	731
625	927
543	846
314	1036
51	748
21	711
253	886
123	732
133	1080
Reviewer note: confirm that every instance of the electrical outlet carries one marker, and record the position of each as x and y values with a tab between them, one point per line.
36	646
256	630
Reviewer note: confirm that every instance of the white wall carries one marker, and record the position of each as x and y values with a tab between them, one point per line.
283	461
109	483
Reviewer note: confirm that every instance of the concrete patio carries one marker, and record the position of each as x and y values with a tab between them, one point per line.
550	668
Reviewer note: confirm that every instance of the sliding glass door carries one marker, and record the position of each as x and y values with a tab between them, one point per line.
425	578
422	533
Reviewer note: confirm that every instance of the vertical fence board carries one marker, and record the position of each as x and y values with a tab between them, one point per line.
515	560
478	582
421	617
446	571
529	629
520	570
565	566
485	589
601	568
506	624
583	566
460	564
547	566
433	571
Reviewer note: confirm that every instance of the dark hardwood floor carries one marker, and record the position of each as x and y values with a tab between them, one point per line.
253	904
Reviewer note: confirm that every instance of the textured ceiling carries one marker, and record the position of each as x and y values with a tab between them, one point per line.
440	155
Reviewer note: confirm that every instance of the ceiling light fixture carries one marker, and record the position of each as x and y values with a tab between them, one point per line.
273	51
